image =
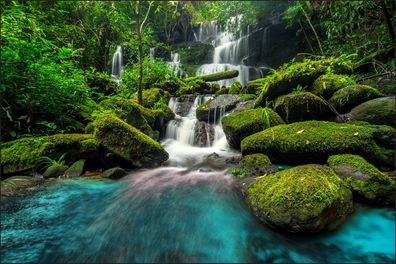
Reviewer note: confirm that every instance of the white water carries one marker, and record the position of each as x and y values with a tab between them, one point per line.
175	65
117	66
180	140
230	53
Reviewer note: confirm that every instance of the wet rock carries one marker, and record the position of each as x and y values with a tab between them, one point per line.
204	134
212	110
76	169
245	105
114	173
54	171
379	111
183	104
306	198
14	185
257	165
366	182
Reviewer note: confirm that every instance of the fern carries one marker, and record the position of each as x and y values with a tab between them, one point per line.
45	162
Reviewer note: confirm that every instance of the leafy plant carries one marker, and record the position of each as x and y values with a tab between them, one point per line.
299	89
45	162
160	104
239	172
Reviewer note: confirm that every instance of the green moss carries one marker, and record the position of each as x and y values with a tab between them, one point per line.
366	62
247	97
379	111
284	79
216	76
299	198
239	125
257	164
151	96
350	96
326	85
235	88
239	172
128	142
302	106
89	145
223	91
195	85
22	154
315	141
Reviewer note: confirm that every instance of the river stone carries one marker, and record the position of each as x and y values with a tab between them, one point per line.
15	184
114	173
212	109
183	104
379	111
76	169
367	183
203	134
306	198
257	165
54	171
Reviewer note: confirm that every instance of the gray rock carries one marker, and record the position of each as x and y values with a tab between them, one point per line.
76	169
211	111
54	171
114	173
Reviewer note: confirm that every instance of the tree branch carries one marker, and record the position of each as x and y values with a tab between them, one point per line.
146	16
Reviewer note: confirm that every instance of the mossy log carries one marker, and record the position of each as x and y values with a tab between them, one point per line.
217	76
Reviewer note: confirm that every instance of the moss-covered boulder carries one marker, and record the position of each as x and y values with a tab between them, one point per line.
114	173
352	95
302	106
197	86
306	198
211	110
257	164
315	141
171	85
285	78
327	84
76	169
54	171
365	180
15	184
128	142
379	111
236	88
223	91
241	124
22	154
152	96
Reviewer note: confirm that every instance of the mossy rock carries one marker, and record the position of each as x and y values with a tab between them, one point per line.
15	184
223	91
302	106
114	173
76	169
306	198
151	96
235	88
128	142
327	84
241	124
364	179
171	85
315	141
257	164
282	80
197	86
350	96
212	109
379	111
54	171
22	154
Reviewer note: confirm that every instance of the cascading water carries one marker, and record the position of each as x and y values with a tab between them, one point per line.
117	64
230	52
175	65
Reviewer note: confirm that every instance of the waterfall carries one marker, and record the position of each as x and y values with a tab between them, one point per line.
175	65
230	53
152	53
117	64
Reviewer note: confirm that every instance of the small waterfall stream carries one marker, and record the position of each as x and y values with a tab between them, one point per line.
117	65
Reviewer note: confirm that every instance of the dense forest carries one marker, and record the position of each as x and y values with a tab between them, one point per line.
128	121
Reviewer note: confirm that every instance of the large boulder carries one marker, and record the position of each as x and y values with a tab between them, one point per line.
151	96
306	198
379	111
241	124
302	106
211	110
128	142
327	84
365	180
196	85
15	184
23	154
350	96
285	78
315	141
257	164
55	170
76	169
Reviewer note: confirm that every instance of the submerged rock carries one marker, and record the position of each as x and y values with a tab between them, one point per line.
183	104
302	106
350	96
114	173
22	154
327	84
211	110
365	181
128	142
306	198
76	169
379	111
54	171
241	124
315	141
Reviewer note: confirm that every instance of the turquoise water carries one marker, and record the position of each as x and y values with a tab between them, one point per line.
171	215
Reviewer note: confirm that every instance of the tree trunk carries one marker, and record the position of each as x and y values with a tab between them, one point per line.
388	21
140	52
312	27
